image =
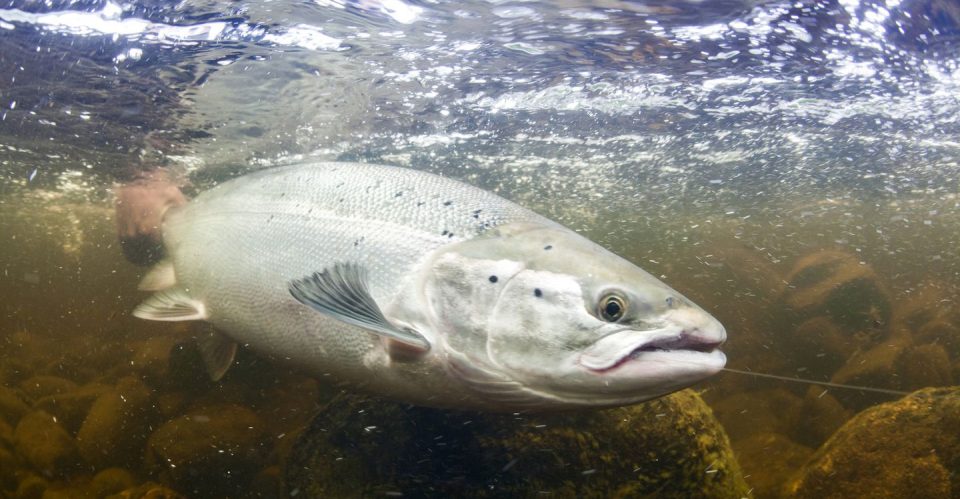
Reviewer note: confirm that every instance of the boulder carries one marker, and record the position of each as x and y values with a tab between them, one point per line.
906	448
43	443
209	451
37	387
669	447
769	460
71	408
111	481
12	405
117	425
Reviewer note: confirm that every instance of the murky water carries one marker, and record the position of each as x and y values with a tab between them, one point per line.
793	167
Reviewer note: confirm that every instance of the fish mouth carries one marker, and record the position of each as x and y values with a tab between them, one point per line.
603	358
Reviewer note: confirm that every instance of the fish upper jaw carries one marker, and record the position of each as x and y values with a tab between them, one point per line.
698	340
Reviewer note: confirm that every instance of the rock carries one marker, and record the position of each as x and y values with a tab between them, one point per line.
836	307
777	410
769	460
44	444
906	448
6	435
822	415
12	405
115	429
268	482
72	407
208	451
838	285
31	487
924	366
111	481
151	357
67	491
148	490
8	471
669	447
41	386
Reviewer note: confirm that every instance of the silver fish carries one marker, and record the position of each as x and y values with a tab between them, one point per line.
423	289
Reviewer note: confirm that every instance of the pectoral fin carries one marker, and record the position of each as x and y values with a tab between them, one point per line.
341	292
171	305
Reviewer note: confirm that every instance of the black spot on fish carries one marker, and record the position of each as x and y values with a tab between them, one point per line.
493	278
420	203
447	203
548	247
341	200
356	242
537	293
445	232
476	214
450	234
398	194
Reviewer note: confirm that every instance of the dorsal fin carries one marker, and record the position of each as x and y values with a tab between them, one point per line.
341	292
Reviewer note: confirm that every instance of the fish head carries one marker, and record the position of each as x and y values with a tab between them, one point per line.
534	315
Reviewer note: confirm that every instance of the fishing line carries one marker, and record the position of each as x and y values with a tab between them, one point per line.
885	391
824	383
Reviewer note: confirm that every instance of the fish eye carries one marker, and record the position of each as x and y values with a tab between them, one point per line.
612	307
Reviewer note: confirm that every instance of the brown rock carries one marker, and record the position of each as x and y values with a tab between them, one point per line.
111	481
12	405
72	407
907	448
209	450
745	413
8	469
823	414
48	447
925	366
31	487
671	447
41	386
6	435
117	425
768	460
148	490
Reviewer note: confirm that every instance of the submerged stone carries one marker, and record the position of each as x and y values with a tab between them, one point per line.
116	426
670	447
37	387
12	405
71	408
210	451
148	490
907	448
48	447
111	481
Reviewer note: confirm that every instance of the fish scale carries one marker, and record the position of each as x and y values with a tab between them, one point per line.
237	246
423	289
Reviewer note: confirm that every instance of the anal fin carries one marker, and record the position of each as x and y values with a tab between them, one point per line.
217	350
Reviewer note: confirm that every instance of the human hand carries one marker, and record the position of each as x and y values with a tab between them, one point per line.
140	207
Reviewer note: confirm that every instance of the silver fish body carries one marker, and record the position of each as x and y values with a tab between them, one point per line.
426	290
